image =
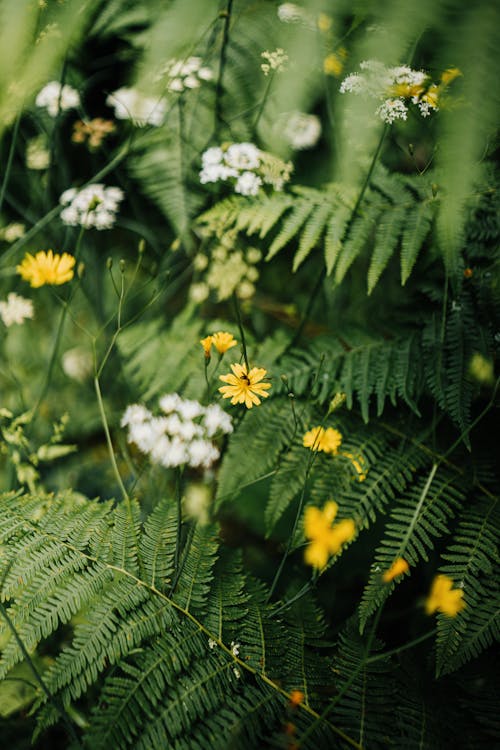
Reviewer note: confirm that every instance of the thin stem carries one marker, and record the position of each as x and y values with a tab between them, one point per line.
263	102
178	498
242	332
10	158
400	649
108	440
226	15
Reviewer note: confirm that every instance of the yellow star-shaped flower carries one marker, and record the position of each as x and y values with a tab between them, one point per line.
245	387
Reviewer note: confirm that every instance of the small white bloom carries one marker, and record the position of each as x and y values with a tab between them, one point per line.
199	292
248	183
235	648
13	232
77	363
202	453
275	61
55	98
92	206
131	104
211	643
169	402
302	130
217	420
242	156
211	156
16	309
190	409
392	109
135	414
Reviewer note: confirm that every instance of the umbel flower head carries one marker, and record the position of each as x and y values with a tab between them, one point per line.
444	598
325	539
46	268
319	439
245	386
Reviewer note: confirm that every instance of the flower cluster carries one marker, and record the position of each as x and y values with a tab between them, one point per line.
444	598
293	13
301	130
246	166
46	268
93	206
394	87
15	309
245	386
38	153
319	439
131	104
182	435
325	539
56	98
185	74
228	270
222	340
93	131
276	60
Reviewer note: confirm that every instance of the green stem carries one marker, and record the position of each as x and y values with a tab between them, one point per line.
108	440
226	15
10	158
242	332
178	498
263	102
400	649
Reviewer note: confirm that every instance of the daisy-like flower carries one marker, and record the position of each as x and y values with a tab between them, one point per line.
443	598
326	540
46	268
245	387
398	567
15	309
223	341
319	439
207	345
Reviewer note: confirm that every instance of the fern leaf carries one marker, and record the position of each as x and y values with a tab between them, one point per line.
356	239
311	233
291	226
191	590
158	543
337	226
417	226
386	240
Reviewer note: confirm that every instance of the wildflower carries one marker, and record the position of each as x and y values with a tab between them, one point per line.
324	22
296	698
357	463
37	153
185	74
248	183
290	12
301	130
199	292
333	64
275	61
325	539
245	165
77	363
468	273
181	436
443	598
46	268
391	110
56	98
319	439
211	643
131	104
235	648
94	130
245	386
93	206
398	567
223	341
449	75
196	502
16	309
481	369
207	345
13	232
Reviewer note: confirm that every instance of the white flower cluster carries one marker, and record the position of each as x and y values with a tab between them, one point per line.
94	206
246	166
293	13
182	435
185	74
301	130
56	98
392	87
15	309
228	271
131	104
276	60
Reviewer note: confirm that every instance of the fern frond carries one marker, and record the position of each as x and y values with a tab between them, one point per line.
193	585
472	561
386	240
421	515
157	544
417	227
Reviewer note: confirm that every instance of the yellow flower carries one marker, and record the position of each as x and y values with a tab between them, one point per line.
333	64
449	75
443	599
206	344
358	465
325	539
319	439
223	341
46	268
245	387
398	567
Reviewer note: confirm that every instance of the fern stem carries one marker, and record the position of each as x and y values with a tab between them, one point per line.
178	499
400	649
108	440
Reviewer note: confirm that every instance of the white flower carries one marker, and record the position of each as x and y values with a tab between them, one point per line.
392	109
93	206
37	153
190	409
131	104
211	643
77	363
185	74
235	648
199	292
202	453
169	402
13	232
242	156
212	156
302	130
217	420
275	61
248	183
16	309
135	414
55	97
290	12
